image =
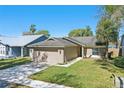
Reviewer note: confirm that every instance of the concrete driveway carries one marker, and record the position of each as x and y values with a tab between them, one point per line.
19	75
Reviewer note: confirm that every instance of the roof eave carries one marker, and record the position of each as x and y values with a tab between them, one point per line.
44	46
34	40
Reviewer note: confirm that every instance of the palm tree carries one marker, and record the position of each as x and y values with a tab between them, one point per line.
32	28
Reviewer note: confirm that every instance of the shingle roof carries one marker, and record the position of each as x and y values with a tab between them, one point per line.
86	41
18	41
53	42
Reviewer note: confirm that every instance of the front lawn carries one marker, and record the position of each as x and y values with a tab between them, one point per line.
6	63
86	73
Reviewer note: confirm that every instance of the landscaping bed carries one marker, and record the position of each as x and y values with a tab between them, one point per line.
6	63
87	73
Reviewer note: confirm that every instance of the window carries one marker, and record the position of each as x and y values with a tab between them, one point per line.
96	51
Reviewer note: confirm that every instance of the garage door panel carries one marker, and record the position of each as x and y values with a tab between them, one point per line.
52	57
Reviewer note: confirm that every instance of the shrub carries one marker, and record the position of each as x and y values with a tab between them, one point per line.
119	62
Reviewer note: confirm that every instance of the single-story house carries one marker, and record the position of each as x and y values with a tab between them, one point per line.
17	46
55	50
60	50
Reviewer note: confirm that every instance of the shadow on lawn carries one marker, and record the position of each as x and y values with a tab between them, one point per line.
6	64
108	65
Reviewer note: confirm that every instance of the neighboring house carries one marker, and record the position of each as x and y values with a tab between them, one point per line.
60	50
17	46
122	47
3	50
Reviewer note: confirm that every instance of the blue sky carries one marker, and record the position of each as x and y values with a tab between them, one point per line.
58	20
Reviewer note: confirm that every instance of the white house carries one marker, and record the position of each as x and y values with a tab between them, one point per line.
17	46
3	49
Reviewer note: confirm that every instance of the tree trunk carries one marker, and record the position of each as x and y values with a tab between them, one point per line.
106	50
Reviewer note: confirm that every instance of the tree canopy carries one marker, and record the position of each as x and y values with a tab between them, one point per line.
109	24
81	32
33	31
45	32
106	31
32	28
114	13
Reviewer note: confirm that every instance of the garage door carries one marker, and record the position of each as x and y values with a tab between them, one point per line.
52	57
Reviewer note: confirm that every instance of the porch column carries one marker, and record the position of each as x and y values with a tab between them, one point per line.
82	52
10	51
22	51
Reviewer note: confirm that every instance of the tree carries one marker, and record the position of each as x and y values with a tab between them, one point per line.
88	31
45	32
106	32
32	28
115	14
81	32
33	31
109	25
75	33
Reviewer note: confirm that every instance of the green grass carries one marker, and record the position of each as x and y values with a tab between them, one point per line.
6	63
86	73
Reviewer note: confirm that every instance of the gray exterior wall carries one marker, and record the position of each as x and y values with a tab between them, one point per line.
15	51
26	51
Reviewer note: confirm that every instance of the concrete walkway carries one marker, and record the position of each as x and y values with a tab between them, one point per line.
119	82
19	75
70	62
